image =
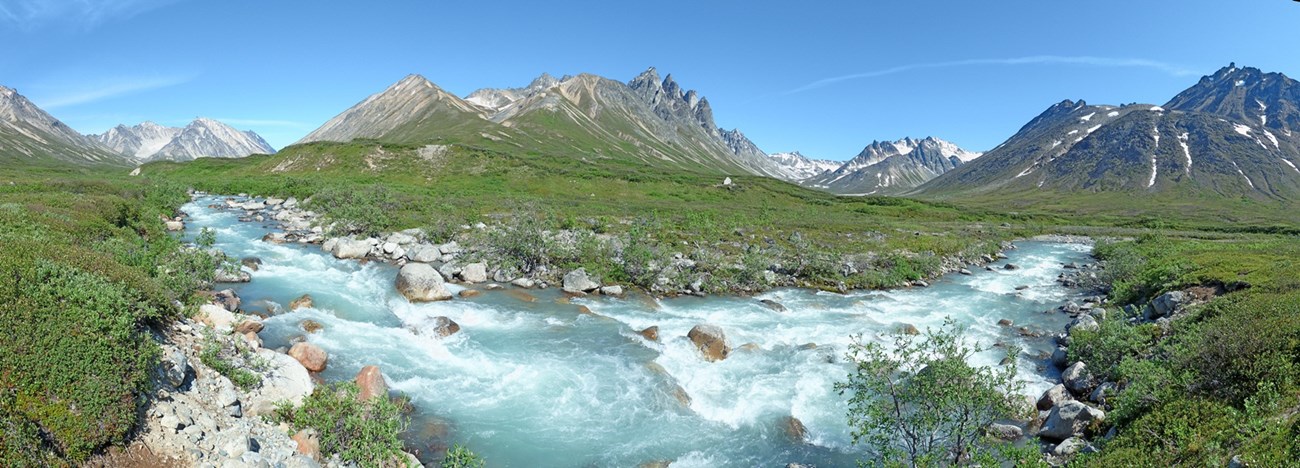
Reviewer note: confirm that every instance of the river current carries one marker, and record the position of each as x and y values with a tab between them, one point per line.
541	383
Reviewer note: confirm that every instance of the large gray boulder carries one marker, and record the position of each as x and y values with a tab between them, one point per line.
1168	303
1053	397
1083	323
423	253
577	281
474	273
1078	379
419	282
1070	419
349	248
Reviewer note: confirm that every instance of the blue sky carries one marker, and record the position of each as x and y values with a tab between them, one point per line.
825	80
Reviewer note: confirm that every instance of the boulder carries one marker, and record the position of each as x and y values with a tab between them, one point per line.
235	276
1069	447
351	248
771	304
908	329
175	367
444	327
1005	323
419	282
1102	392
1069	419
450	248
577	281
1077	378
1007	432
371	383
1060	357
285	379
468	293
965	272
311	326
227	299
612	290
1053	397
175	226
423	253
526	283
303	301
308	443
252	263
474	273
794	429
216	317
1083	322
1011	266
311	356
1168	303
711	341
651	333
249	325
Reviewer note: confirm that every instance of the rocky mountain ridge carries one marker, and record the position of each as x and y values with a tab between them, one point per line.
203	137
892	167
1231	134
28	133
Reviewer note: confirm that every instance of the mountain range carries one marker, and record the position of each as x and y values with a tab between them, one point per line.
28	133
1232	134
892	167
203	137
648	120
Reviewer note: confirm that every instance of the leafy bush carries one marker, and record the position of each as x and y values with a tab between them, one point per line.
919	403
361	432
367	210
1113	341
80	359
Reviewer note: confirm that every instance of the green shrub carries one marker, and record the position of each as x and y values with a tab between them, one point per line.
81	359
1113	341
460	457
219	357
919	403
365	433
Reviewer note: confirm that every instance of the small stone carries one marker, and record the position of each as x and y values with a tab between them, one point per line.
468	293
908	329
1005	323
444	327
303	301
311	326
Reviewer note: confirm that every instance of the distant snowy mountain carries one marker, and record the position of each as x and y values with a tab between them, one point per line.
201	138
1234	133
892	167
799	167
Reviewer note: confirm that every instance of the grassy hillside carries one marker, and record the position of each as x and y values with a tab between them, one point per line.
895	240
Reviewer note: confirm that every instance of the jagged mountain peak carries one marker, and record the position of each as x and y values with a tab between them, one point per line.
202	137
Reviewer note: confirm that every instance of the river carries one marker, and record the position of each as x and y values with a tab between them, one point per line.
541	383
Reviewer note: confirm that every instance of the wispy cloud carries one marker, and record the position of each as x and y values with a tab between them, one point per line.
83	94
262	122
1171	69
30	15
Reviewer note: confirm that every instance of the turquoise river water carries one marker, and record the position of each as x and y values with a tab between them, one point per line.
539	383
